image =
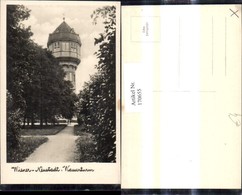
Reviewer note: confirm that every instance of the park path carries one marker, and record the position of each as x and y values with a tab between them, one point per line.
59	148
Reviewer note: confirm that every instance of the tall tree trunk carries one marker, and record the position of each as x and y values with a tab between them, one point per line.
41	120
24	121
32	120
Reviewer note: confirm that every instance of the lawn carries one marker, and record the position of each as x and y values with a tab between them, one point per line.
46	130
26	147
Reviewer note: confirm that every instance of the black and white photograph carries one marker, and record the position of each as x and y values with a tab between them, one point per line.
61	83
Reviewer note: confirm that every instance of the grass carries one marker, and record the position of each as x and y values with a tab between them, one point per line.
85	151
79	130
26	147
46	130
85	145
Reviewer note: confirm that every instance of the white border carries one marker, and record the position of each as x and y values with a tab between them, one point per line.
104	173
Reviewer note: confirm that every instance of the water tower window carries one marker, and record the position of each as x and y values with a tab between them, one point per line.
68	74
65	46
56	45
71	76
73	46
78	50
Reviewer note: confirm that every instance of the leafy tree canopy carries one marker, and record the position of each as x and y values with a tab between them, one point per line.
97	99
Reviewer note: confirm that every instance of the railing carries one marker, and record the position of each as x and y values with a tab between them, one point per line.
66	54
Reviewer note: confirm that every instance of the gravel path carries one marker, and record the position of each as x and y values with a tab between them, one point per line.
59	148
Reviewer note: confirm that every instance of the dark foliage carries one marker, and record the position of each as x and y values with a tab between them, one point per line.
25	148
86	151
97	99
13	124
37	130
34	78
36	87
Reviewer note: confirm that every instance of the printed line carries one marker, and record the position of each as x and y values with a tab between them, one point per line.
130	27
171	91
207	91
225	46
212	43
179	52
183	91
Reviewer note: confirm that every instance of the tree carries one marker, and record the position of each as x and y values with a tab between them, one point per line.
19	53
35	80
19	56
49	86
48	95
13	123
97	99
69	99
106	66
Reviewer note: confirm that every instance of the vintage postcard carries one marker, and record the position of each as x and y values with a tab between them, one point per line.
181	94
181	90
60	67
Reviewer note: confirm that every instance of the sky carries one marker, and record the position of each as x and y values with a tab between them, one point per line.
44	19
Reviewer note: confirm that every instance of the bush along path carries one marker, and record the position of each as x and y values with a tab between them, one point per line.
85	145
59	148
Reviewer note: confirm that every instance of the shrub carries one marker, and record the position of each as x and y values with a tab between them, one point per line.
13	123
97	98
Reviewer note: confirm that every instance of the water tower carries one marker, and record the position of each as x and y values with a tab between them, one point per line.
65	45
